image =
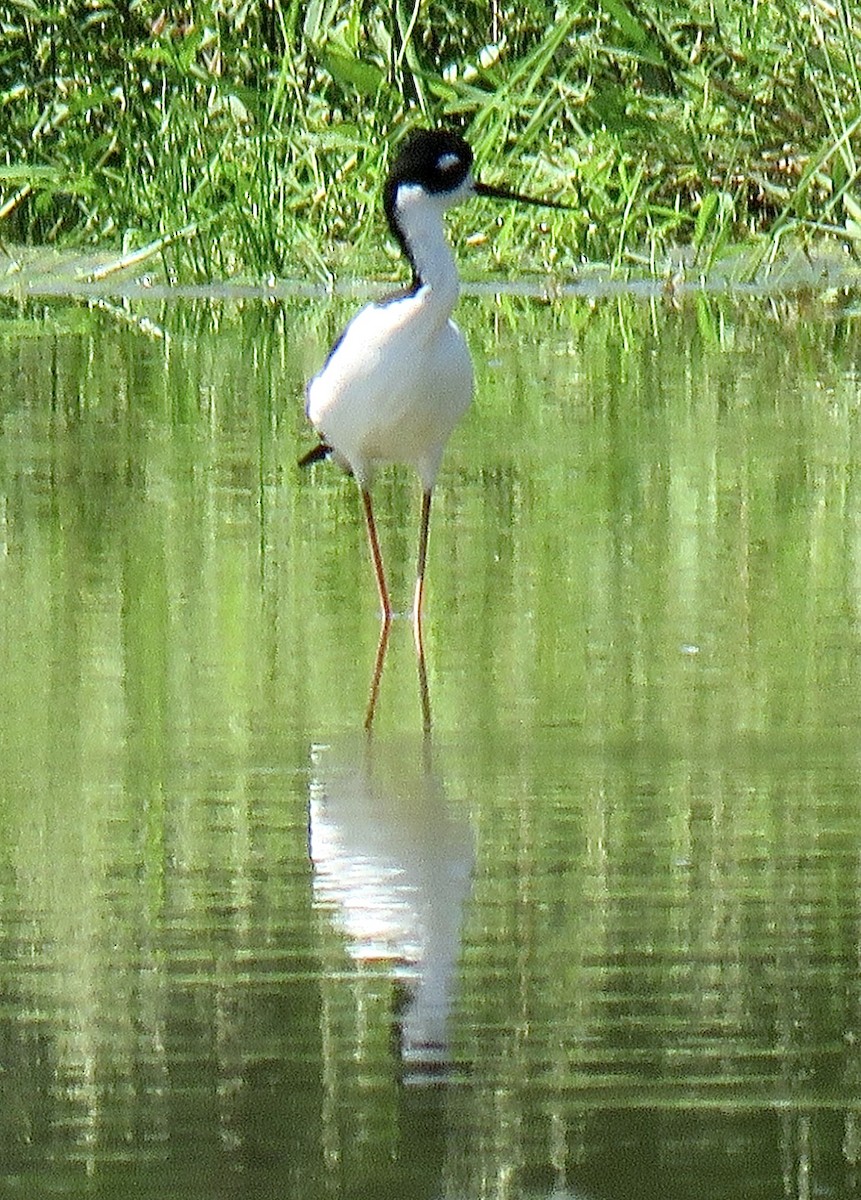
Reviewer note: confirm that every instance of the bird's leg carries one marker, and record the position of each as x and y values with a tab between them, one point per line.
376	556
417	612
420	572
382	645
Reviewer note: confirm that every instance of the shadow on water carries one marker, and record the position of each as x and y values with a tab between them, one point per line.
393	862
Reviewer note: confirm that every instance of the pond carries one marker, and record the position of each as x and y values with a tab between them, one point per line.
595	935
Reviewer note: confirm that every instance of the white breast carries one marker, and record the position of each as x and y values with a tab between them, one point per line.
394	387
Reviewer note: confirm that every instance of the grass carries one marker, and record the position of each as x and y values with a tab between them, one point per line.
251	138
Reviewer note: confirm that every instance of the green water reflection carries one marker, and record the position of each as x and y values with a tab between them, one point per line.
617	890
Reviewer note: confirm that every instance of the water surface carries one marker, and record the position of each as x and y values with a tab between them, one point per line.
597	936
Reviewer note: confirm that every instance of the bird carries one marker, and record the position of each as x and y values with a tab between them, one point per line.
400	376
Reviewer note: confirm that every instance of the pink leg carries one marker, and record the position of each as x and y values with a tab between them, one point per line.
376	557
420	573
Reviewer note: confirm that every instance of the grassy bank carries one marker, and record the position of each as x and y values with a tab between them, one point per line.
251	139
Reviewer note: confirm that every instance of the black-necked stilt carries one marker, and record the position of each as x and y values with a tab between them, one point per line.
399	378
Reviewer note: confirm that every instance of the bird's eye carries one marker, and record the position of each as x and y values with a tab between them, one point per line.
446	163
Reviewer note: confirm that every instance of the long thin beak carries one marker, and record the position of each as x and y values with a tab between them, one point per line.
498	193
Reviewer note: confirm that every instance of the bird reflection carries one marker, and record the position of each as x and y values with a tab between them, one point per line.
393	862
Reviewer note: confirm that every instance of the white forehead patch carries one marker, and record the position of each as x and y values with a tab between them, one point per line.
445	162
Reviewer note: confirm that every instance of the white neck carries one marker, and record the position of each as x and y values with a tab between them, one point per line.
420	217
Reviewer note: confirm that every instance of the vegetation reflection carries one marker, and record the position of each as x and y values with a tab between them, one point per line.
639	825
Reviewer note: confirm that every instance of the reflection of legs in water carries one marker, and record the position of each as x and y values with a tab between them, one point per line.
418	604
380	659
379	663
424	694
